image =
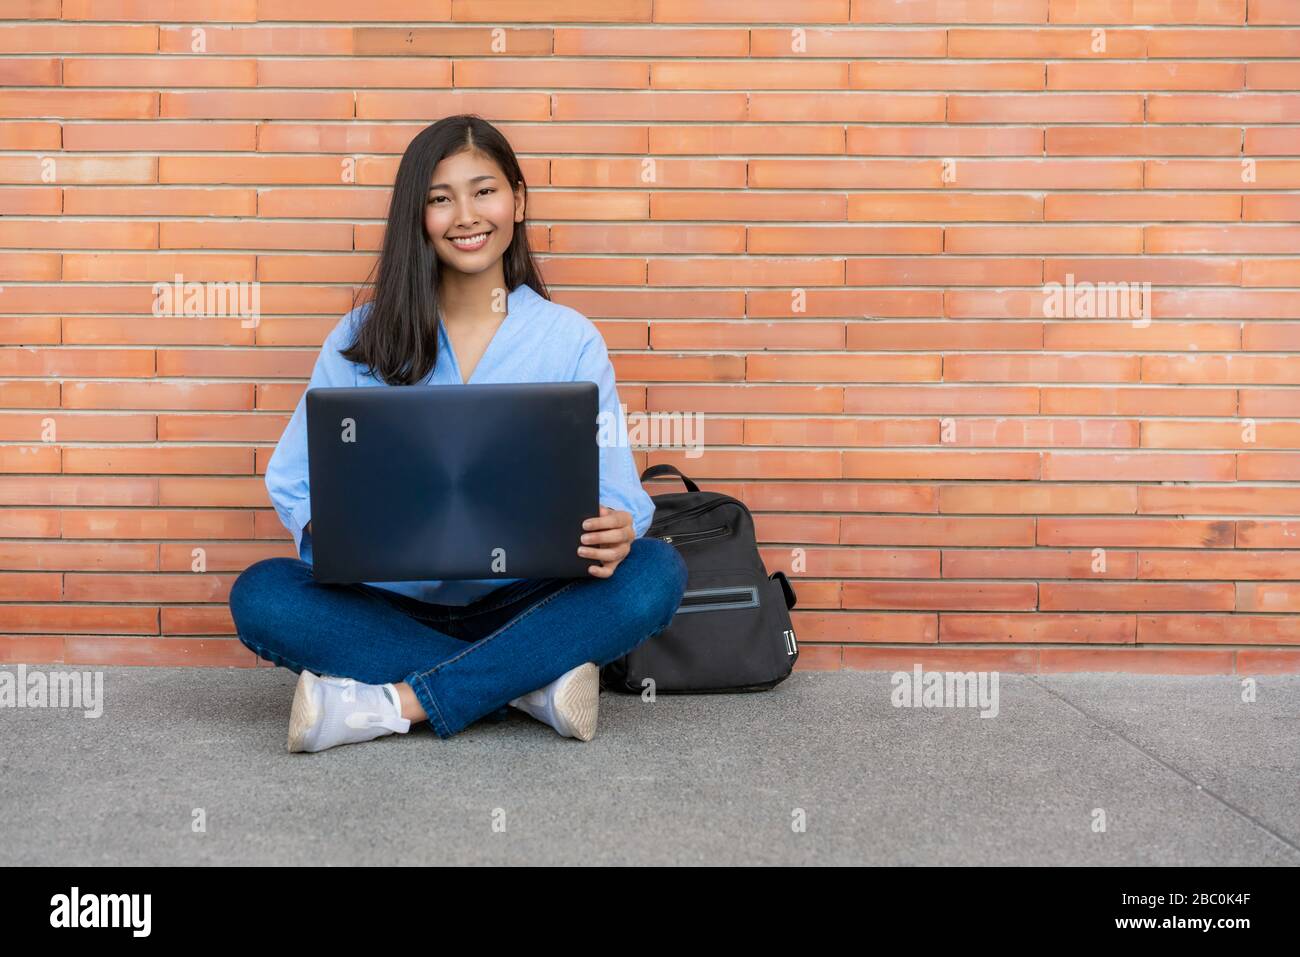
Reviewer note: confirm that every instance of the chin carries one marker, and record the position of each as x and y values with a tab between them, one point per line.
464	268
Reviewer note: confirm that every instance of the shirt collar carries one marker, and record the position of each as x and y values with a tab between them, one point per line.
518	300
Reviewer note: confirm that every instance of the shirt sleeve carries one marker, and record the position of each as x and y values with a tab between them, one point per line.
620	483
286	472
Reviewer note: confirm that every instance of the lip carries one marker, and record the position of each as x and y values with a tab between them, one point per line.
486	235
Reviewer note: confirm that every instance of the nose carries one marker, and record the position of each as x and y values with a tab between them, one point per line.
466	215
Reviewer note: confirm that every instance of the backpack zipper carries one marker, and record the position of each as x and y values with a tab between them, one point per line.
697	510
682	538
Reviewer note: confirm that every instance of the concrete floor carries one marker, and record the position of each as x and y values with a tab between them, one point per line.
1185	772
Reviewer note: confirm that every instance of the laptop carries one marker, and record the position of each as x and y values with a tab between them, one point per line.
448	482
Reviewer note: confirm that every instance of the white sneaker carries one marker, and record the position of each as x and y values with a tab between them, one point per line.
568	704
329	711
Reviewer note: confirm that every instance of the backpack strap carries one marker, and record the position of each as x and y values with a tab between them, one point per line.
655	471
785	587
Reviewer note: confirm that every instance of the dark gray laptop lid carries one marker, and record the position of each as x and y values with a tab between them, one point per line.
446	482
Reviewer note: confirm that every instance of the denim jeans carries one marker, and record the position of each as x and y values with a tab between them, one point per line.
464	662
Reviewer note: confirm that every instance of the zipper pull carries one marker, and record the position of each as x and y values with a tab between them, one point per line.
668	538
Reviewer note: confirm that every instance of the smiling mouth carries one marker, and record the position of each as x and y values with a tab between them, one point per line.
470	243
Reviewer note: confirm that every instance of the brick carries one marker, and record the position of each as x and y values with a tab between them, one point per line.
1055	629
1136	661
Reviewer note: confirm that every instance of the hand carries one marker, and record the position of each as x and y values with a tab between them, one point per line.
608	538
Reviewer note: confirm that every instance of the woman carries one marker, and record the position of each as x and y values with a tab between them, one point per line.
457	299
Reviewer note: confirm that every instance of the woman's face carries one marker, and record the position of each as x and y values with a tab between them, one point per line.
469	197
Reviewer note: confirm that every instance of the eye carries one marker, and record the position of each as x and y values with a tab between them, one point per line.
485	189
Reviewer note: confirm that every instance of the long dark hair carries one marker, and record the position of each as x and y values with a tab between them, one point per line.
398	339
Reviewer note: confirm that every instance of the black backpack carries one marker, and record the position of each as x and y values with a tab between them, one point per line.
732	630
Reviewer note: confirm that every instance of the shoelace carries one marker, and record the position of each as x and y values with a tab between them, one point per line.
360	720
349	686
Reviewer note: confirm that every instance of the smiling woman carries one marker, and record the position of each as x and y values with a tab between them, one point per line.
454	246
458	300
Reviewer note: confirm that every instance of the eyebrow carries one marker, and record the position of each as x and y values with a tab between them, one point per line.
473	179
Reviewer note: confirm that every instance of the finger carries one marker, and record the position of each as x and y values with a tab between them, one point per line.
605	570
609	536
606	519
601	554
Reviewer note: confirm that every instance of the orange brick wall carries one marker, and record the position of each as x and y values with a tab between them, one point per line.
840	256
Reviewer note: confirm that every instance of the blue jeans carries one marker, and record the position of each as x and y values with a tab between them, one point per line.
464	662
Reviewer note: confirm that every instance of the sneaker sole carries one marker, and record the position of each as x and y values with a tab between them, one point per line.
303	716
577	701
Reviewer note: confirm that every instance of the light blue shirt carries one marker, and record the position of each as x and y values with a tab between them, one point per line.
537	341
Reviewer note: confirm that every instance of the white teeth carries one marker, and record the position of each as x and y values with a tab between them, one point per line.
469	240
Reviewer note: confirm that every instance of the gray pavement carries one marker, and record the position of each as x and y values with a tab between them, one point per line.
1185	772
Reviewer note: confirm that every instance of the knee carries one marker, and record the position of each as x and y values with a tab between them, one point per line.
660	582
254	594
